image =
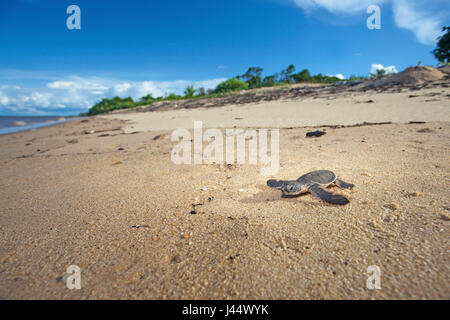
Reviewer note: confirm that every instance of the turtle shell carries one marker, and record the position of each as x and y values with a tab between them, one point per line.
320	177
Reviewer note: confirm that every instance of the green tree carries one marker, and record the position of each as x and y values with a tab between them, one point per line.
115	103
146	100
269	81
173	96
355	77
230	85
147	97
201	92
189	91
302	76
442	51
286	75
380	73
252	77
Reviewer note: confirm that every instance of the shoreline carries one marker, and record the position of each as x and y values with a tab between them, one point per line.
31	127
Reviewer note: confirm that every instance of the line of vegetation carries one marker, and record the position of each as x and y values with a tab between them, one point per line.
252	79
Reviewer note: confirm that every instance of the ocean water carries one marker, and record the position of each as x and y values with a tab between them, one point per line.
7	123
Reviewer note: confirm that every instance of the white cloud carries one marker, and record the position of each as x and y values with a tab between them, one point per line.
375	67
61	84
337	6
74	82
339	76
424	18
121	88
41	99
4	100
163	88
425	25
7	87
77	94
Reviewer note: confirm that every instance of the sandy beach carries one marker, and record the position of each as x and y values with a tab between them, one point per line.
347	108
102	193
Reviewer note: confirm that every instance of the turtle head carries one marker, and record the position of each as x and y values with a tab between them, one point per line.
292	188
289	188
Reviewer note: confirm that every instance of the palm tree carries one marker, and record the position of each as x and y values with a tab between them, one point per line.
189	91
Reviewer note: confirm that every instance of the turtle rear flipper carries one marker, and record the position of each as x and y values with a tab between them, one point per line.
278	184
344	185
326	196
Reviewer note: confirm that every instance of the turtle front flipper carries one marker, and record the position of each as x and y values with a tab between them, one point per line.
344	185
326	196
278	184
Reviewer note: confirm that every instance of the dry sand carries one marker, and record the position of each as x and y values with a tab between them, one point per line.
125	216
347	108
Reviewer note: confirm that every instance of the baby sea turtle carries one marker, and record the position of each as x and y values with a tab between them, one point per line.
313	182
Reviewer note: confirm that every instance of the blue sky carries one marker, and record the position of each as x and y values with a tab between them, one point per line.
136	47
